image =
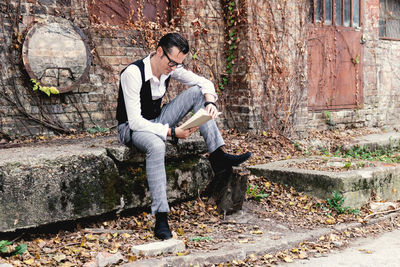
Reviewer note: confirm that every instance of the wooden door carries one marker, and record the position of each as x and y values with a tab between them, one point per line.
334	55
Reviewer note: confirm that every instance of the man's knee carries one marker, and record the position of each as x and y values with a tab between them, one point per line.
196	91
156	148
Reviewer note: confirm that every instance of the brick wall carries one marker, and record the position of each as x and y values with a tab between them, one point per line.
94	102
88	104
381	74
244	100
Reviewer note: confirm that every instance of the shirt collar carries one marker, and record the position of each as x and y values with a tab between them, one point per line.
148	73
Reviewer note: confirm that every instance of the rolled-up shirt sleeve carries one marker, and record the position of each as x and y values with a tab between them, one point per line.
189	78
131	82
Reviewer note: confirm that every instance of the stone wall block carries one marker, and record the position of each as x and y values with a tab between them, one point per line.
71	181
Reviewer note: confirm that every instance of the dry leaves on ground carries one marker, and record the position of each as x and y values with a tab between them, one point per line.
197	222
321	246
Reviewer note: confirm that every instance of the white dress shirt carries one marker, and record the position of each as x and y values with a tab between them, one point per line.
131	82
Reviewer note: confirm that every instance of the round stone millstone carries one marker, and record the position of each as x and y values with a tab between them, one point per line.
56	54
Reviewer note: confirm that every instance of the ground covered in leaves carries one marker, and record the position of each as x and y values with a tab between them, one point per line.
336	240
196	222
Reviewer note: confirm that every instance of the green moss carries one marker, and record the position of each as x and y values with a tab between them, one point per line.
110	189
84	195
183	165
132	182
129	181
51	204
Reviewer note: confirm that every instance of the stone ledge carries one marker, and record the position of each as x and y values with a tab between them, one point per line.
185	148
355	185
66	181
376	141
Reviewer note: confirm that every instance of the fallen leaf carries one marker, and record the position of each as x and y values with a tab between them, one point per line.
113	251
125	235
288	259
91	237
252	255
180	231
302	255
365	250
132	258
330	221
67	264
29	261
137	222
333	237
182	253
280	214
59	257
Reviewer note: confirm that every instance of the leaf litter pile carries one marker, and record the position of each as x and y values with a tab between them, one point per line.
197	222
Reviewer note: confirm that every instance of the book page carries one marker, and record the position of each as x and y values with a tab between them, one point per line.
197	119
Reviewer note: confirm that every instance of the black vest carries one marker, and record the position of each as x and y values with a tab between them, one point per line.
151	109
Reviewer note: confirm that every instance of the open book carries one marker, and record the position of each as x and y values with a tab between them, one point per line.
200	117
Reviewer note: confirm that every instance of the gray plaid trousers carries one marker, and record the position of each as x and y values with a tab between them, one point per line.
154	146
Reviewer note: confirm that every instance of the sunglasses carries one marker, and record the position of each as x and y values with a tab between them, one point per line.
172	63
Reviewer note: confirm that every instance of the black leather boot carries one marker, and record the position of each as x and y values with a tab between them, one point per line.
161	230
220	161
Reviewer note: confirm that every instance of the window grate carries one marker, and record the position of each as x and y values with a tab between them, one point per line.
335	12
389	19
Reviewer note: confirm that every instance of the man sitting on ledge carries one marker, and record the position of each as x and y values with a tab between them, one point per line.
144	124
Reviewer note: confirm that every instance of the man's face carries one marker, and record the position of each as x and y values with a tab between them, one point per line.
171	60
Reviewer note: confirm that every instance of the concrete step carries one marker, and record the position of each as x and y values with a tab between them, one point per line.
355	185
376	141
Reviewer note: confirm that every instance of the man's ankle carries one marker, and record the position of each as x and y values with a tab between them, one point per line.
221	161
216	154
161	229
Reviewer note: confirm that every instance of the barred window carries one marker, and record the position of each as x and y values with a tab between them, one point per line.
389	19
335	12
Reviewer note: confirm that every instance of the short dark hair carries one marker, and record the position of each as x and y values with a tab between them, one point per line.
174	39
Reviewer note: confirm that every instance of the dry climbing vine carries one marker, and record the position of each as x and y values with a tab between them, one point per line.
278	59
16	91
13	98
271	54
